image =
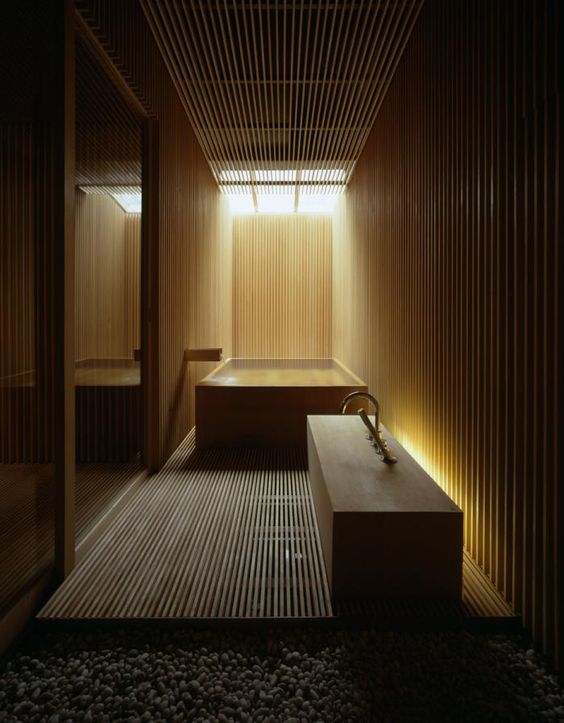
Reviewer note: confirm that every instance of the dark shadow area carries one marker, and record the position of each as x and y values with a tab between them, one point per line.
277	674
245	458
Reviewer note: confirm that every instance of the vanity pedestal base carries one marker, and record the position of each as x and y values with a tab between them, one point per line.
386	530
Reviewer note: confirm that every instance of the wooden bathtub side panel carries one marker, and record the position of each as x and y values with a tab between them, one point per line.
261	416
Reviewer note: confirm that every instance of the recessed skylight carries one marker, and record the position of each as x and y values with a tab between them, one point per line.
275	176
234	175
129	198
276	199
324	175
316	203
130	202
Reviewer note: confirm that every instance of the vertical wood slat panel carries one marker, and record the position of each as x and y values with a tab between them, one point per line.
448	234
282	286
194	226
201	539
27	234
132	286
18	378
106	261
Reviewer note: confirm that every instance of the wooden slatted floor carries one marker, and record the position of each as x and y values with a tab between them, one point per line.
232	534
218	533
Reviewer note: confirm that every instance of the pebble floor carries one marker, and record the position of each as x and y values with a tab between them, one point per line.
290	675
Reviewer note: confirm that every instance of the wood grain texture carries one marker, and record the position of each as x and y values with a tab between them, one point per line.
27	493
36	234
280	85
232	533
446	282
223	533
193	225
132	284
282	286
387	530
107	279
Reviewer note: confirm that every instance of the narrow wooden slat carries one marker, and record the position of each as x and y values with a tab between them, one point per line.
201	539
282	286
445	286
280	86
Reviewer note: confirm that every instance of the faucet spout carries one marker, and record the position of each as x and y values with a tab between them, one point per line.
373	429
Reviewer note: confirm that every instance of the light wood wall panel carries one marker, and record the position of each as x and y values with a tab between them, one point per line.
132	286
194	232
282	286
102	306
446	281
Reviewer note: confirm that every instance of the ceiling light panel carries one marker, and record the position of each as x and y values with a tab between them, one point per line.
130	202
276	199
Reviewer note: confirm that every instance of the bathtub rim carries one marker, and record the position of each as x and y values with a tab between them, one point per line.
355	380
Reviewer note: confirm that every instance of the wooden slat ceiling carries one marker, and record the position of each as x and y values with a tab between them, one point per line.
282	95
108	135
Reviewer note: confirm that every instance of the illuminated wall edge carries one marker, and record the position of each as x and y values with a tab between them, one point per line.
446	285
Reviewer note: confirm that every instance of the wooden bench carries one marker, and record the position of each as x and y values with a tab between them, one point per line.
386	530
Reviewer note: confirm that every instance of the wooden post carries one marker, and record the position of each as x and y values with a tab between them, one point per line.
150	295
64	176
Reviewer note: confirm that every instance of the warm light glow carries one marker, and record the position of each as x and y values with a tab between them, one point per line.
275	176
234	175
280	198
276	199
318	199
130	202
241	203
324	175
129	198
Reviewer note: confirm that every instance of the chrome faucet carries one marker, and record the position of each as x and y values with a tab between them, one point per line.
374	431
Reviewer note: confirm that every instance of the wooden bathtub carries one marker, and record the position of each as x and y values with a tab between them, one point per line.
265	402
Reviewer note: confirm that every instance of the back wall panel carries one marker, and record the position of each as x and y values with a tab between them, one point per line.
282	286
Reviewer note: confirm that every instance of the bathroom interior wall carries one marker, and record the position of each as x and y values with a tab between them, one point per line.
282	286
107	288
28	156
30	183
193	271
446	283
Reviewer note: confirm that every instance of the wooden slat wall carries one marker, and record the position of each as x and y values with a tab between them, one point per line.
105	308
132	286
282	286
108	132
17	313
32	238
194	228
27	236
446	281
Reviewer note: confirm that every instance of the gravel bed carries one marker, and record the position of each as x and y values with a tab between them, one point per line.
285	675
